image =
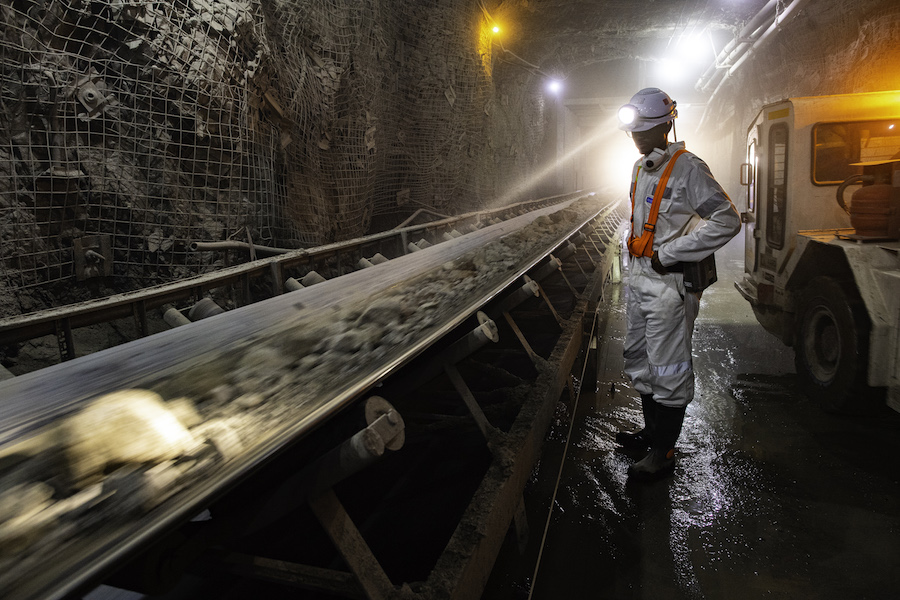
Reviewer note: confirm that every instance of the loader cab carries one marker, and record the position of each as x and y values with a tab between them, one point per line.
798	153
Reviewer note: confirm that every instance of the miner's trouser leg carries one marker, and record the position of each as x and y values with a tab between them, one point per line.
660	323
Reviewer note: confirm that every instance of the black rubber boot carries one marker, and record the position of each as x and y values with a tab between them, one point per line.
660	461
640	440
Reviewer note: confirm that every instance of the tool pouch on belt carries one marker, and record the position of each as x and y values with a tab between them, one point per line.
643	245
700	275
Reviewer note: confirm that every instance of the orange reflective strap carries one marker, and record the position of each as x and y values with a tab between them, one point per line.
643	246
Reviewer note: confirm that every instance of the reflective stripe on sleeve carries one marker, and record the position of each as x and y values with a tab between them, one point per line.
714	202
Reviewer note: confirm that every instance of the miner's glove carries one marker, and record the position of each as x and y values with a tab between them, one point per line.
656	264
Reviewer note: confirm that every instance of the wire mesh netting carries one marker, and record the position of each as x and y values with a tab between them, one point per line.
131	128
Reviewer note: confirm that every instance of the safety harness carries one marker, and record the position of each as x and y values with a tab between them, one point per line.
643	246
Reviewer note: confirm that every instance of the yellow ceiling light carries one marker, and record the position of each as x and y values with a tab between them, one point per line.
495	29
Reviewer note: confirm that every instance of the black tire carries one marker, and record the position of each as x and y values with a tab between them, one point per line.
831	345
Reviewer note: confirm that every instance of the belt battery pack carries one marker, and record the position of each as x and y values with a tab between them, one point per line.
700	275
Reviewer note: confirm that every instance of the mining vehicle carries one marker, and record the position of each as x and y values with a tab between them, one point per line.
822	266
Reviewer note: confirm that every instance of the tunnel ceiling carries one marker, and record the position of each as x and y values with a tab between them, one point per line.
583	32
625	19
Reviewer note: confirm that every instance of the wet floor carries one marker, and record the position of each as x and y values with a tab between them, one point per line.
771	498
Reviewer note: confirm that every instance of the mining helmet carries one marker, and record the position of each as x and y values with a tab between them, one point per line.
647	109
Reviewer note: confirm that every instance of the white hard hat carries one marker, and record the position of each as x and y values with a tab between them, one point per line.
647	109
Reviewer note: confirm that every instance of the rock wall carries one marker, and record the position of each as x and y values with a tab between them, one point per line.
131	128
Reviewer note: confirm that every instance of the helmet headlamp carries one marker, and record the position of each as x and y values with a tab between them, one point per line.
646	109
627	114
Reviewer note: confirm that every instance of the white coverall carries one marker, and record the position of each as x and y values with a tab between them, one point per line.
660	315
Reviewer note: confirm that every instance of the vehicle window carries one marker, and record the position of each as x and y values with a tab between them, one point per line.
751	183
776	202
837	146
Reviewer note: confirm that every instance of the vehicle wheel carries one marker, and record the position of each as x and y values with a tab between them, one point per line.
831	346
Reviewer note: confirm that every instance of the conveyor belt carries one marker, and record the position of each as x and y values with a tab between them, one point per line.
61	321
191	360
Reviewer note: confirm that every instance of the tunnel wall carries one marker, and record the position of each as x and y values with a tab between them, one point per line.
134	128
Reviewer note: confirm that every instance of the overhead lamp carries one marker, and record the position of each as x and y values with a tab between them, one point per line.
696	47
671	71
554	86
495	29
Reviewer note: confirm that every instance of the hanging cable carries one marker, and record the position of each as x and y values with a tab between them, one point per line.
526	65
562	461
486	13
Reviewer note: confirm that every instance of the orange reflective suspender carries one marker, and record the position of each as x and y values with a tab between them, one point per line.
643	246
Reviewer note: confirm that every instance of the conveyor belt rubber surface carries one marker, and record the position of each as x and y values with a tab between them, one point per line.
245	384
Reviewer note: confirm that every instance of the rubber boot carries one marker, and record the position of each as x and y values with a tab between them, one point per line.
660	461
640	440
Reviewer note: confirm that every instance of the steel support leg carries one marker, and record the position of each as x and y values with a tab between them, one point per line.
578	264
385	431
589	257
569	283
591	240
546	298
487	430
353	548
314	484
303	577
535	359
